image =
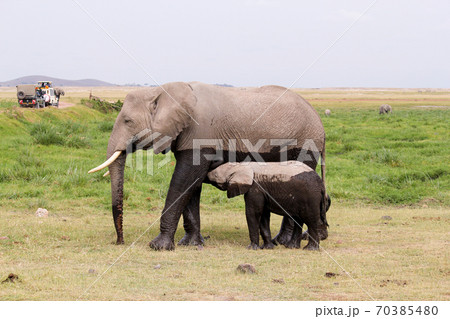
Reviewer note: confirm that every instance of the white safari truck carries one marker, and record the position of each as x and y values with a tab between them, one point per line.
38	96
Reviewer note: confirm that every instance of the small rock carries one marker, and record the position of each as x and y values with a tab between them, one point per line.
4	237
92	271
158	266
278	281
336	284
246	268
386	217
11	278
330	274
41	212
206	237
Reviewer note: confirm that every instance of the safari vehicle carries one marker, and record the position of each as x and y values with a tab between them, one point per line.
37	96
28	96
49	95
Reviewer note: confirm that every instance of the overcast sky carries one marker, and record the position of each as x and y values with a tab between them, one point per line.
396	43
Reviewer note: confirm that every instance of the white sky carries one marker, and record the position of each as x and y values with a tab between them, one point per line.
397	43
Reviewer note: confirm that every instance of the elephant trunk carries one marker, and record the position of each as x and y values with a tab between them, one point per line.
116	170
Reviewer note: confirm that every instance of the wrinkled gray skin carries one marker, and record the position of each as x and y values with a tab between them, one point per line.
385	108
183	112
291	189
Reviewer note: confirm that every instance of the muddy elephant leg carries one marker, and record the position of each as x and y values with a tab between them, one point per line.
264	227
191	221
186	179
296	238
313	238
285	233
254	206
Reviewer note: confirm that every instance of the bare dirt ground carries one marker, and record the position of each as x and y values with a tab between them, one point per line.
63	105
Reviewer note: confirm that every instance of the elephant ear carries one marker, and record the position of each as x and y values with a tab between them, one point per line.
172	113
240	181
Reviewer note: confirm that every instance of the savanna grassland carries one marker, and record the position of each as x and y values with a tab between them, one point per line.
388	177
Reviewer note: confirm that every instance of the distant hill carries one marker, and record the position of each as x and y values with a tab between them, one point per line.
56	82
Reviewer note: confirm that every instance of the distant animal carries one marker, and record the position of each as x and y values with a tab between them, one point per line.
291	189
93	97
385	108
327	112
59	92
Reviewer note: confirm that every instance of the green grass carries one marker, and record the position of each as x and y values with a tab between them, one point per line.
6	103
397	159
394	165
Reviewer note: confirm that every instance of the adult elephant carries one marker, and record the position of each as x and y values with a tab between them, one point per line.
58	93
194	121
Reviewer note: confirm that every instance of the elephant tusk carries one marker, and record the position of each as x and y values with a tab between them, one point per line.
106	174
107	163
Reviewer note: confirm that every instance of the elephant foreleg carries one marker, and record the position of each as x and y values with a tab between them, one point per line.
191	221
186	180
254	207
265	230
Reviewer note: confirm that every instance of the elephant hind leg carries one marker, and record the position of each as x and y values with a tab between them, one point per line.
191	221
296	238
313	238
285	233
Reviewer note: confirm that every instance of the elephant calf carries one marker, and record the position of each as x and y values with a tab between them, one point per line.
291	189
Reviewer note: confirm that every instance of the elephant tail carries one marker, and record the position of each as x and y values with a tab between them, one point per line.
324	206
322	165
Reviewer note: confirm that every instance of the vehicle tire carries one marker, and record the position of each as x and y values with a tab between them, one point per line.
21	94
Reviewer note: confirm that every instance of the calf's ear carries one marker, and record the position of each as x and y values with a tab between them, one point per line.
240	181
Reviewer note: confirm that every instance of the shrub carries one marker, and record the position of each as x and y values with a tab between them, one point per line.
103	106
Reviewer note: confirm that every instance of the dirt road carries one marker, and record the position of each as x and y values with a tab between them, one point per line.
63	105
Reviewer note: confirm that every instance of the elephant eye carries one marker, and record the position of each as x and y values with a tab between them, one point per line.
128	121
